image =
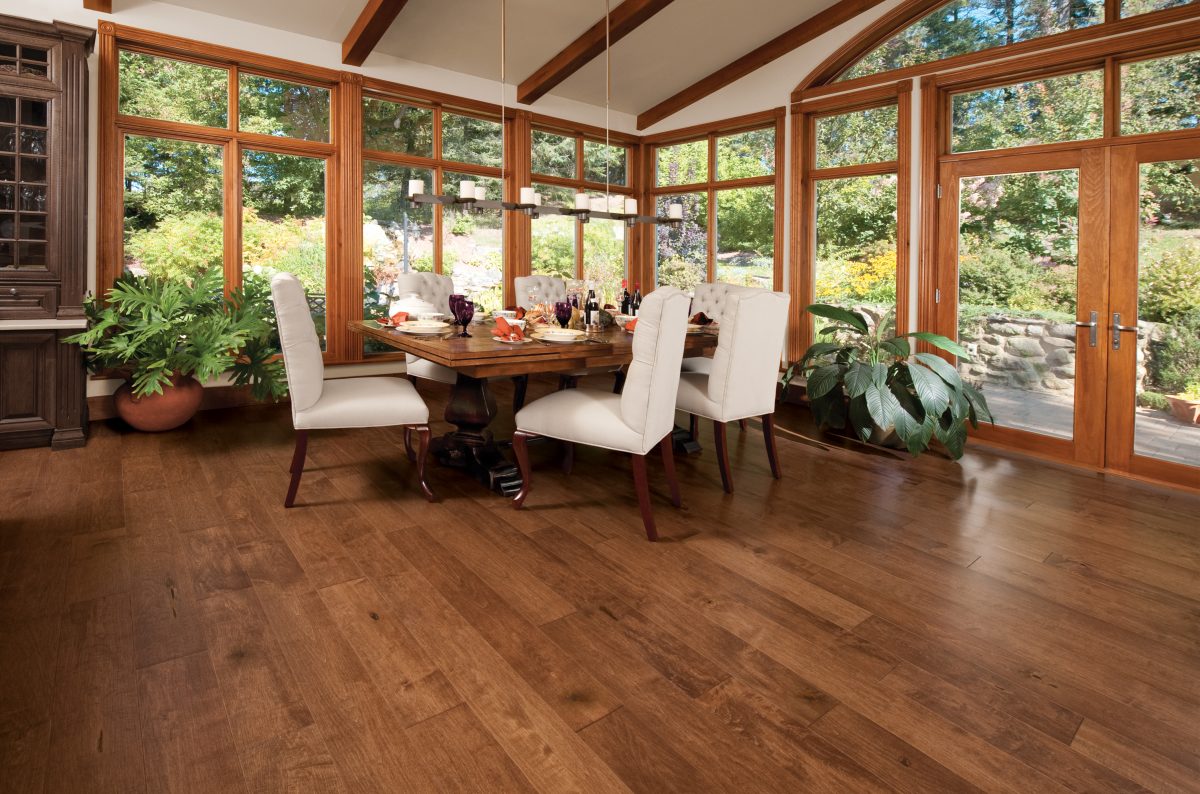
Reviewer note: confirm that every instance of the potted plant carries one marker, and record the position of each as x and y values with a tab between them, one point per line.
161	334
878	387
1185	406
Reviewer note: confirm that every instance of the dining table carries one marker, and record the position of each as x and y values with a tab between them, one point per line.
476	359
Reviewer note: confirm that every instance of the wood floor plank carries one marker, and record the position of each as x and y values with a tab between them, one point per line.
1135	762
467	757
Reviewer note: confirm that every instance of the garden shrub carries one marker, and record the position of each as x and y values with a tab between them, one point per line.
1174	359
1169	285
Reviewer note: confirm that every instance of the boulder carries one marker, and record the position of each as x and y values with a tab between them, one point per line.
1024	346
1060	356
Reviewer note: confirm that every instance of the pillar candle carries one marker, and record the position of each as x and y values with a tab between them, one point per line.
528	195
466	189
416	187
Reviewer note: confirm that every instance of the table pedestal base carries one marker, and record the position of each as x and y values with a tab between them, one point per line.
471	447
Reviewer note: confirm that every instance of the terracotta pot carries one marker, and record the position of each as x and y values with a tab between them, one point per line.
1185	410
157	412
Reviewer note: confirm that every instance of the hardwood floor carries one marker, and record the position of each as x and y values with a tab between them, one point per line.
865	624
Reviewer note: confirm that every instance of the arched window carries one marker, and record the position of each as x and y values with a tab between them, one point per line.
964	26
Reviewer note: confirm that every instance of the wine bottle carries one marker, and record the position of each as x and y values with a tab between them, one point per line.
624	296
591	312
635	305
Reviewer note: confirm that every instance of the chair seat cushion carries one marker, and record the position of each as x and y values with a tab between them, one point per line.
697	364
422	368
584	416
693	397
364	402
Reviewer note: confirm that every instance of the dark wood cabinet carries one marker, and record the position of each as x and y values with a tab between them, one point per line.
43	228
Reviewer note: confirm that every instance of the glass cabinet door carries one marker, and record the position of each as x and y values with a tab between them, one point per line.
24	183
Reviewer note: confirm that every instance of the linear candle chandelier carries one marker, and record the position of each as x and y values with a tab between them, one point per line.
472	196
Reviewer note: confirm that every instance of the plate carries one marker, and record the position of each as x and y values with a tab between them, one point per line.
564	333
503	341
694	329
422	327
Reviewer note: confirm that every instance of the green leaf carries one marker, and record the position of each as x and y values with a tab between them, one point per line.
979	407
942	343
944	369
858	377
898	346
838	314
883	407
822	380
930	389
861	419
910	404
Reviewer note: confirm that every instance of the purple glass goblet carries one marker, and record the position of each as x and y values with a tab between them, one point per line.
466	312
562	312
455	301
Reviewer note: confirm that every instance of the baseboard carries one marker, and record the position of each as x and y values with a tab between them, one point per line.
101	407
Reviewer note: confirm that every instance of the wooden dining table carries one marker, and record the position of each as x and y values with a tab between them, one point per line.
476	359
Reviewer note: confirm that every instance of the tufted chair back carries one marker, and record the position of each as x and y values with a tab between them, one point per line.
745	365
712	298
298	337
648	399
430	286
549	288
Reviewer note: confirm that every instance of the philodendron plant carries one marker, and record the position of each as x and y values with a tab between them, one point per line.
877	385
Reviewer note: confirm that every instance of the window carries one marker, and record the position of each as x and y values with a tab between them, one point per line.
281	108
467	139
964	26
564	164
726	182
1131	8
397	127
170	90
1159	95
473	246
861	136
1055	109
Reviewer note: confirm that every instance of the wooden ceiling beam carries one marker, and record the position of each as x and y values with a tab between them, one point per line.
806	31
103	6
376	17
623	20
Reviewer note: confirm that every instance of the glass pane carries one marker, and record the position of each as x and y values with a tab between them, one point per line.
8	110
471	140
32	142
161	88
746	154
964	26
33	169
600	160
1167	423
681	252
682	164
553	154
864	136
553	251
8	226
1017	283
8	139
287	110
856	246
173	194
394	127
397	236
473	247
746	236
34	113
1131	8
604	252
283	225
1160	95
1066	108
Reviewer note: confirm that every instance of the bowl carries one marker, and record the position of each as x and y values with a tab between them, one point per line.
507	314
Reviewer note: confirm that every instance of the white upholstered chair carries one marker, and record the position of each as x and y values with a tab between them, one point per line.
437	290
712	299
636	420
319	404
745	368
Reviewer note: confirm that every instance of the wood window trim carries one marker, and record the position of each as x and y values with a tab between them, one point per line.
805	178
821	81
775	118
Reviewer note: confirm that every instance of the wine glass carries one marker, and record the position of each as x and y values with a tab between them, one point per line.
464	315
562	312
455	300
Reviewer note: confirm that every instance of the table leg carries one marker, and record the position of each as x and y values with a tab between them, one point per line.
471	446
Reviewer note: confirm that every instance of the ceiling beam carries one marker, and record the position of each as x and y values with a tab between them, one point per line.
103	6
623	20
806	31
376	17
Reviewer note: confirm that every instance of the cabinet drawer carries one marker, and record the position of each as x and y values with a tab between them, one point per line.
28	302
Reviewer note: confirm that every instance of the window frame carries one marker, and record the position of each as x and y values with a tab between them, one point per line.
712	186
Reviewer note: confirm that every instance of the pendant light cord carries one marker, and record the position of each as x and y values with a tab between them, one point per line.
607	101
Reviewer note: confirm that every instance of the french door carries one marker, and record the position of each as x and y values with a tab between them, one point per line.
1040	259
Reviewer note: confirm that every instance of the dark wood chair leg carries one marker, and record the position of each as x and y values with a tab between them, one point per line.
297	467
743	424
642	486
667	445
408	448
768	422
694	427
619	381
567	382
422	458
520	386
521	450
568	459
723	455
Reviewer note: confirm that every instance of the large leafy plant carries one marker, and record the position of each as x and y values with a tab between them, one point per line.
152	328
876	384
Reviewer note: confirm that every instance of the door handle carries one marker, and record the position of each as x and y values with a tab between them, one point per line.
1093	326
1117	328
